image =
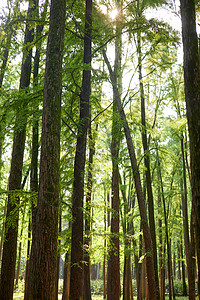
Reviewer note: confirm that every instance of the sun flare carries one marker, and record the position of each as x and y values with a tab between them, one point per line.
114	13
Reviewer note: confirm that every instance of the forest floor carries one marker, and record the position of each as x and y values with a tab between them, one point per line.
20	296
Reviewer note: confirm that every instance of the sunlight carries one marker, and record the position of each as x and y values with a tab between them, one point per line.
114	13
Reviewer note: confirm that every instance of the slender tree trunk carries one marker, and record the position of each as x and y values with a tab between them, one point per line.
169	259
43	261
147	159
105	244
113	277
10	243
19	259
189	259
183	271
161	243
58	255
87	287
66	279
76	278
192	97
138	186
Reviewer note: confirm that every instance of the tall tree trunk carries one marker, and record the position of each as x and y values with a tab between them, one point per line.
10	243
43	261
138	186
147	157
190	261
161	243
66	279
113	277
87	287
76	278
169	259
192	97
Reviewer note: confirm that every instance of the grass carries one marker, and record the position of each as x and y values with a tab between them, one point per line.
20	296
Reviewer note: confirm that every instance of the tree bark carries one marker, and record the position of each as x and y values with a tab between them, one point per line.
76	278
87	241
43	261
10	242
147	161
113	275
192	98
189	259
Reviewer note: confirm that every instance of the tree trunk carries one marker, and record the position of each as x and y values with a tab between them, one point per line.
169	258
138	186
10	243
189	259
192	97
161	243
43	261
87	287
113	277
76	278
66	279
147	158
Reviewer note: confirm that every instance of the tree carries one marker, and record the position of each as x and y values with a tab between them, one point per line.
76	277
138	187
192	98
14	184
43	260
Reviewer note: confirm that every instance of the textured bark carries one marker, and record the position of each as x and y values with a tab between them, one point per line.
147	164
189	259
76	278
34	153
113	276
66	281
87	240
10	243
43	261
192	97
138	186
169	258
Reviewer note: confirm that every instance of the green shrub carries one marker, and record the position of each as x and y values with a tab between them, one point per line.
97	287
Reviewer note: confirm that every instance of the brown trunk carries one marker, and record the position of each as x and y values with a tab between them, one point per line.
66	279
183	272
58	256
192	97
169	259
43	261
189	259
138	186
10	243
161	243
87	288
19	259
113	277
76	278
104	254
147	159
